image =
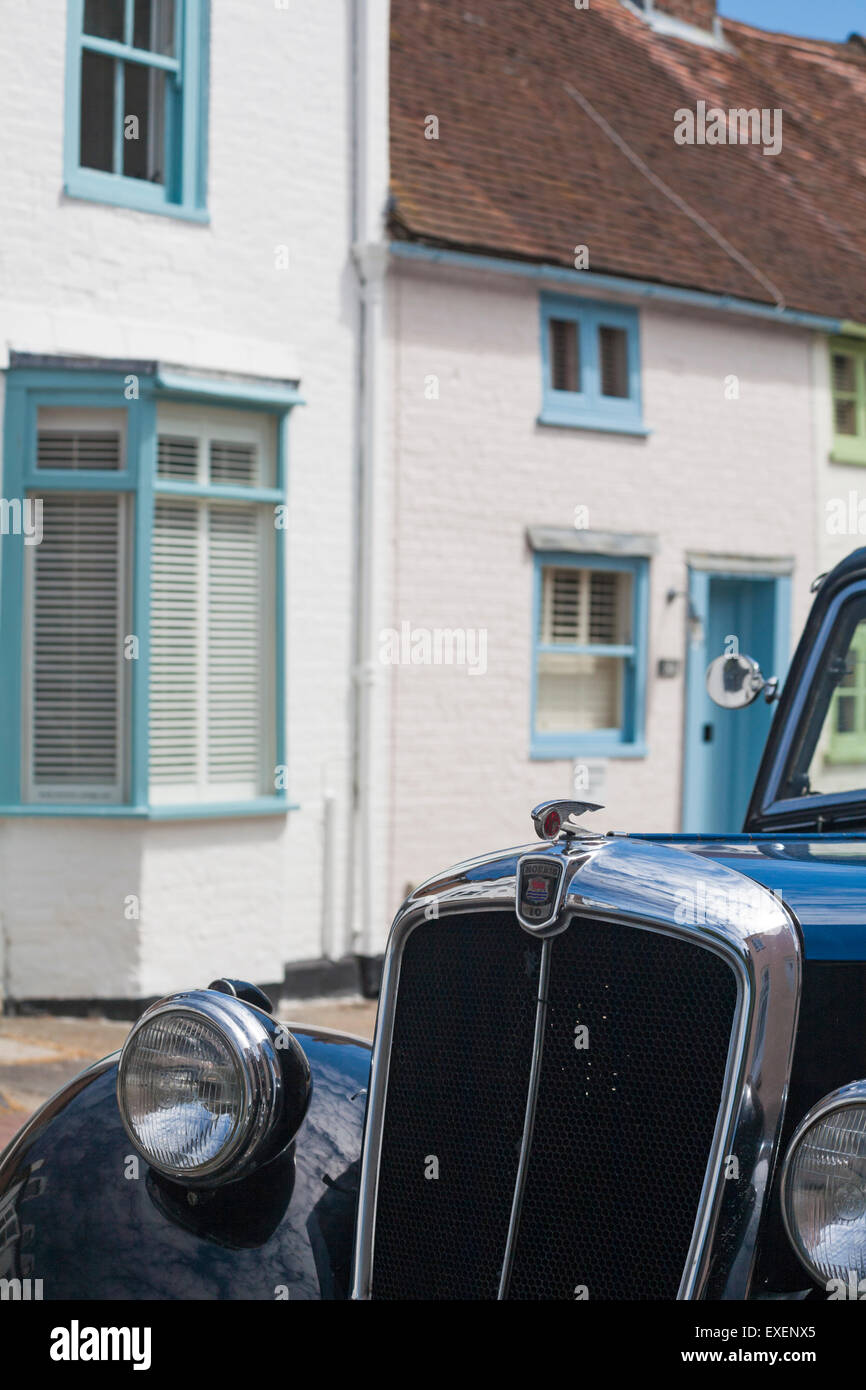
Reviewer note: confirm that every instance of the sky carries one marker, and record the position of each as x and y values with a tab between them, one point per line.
818	19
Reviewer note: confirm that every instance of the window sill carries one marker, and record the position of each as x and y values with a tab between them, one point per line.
261	806
228	810
92	187
569	748
858	460
560	419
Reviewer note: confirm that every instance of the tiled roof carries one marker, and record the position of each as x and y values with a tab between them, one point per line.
556	129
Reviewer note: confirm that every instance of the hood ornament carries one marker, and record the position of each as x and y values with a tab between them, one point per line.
540	879
554	818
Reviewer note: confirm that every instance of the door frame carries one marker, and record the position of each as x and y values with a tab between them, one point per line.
701	570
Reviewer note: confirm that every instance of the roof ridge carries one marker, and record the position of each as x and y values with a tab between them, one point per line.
843	48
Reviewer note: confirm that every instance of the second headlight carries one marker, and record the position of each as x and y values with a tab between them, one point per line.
824	1187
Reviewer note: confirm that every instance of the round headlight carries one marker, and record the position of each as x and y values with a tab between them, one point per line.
199	1085
824	1186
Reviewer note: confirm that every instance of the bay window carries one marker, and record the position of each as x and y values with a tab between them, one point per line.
142	634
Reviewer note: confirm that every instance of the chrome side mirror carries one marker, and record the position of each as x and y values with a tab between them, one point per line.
736	681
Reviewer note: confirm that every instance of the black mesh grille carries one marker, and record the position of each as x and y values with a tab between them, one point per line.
457	1084
623	1127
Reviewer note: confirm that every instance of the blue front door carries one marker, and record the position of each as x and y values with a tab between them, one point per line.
723	747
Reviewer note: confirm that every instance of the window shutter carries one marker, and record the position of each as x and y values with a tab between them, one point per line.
175	639
79	450
177	457
76	601
583	607
607	608
212	671
234	463
234	656
562	607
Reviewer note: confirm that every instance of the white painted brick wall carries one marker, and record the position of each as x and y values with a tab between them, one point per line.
474	470
241	896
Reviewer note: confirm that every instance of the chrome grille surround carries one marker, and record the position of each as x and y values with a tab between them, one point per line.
643	885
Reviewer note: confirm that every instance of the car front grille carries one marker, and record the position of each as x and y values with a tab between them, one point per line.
460	1057
624	1120
623	1127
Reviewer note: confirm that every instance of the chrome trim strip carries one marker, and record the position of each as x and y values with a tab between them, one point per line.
529	1118
651	886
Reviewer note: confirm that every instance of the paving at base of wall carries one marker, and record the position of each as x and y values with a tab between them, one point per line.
39	1055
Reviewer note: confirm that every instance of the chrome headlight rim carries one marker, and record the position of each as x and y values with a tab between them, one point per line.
249	1036
848	1097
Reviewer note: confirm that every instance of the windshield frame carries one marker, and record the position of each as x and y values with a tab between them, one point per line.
794	717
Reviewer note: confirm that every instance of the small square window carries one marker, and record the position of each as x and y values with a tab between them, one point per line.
591	365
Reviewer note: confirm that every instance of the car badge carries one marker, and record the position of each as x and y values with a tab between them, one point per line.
540	881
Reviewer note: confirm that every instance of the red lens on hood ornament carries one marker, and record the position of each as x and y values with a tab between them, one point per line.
552	824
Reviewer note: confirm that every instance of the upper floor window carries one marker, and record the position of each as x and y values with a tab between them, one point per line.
137	103
848	382
589	650
590	365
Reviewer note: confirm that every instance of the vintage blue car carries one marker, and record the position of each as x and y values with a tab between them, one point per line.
605	1067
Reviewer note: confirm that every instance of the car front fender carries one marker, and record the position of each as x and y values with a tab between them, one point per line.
81	1212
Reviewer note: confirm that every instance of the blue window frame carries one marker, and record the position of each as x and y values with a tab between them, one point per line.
589	656
136	104
111	461
590	355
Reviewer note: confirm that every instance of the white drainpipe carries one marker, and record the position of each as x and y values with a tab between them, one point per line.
370	125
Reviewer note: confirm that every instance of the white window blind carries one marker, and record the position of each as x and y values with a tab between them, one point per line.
212	632
74	693
579	687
